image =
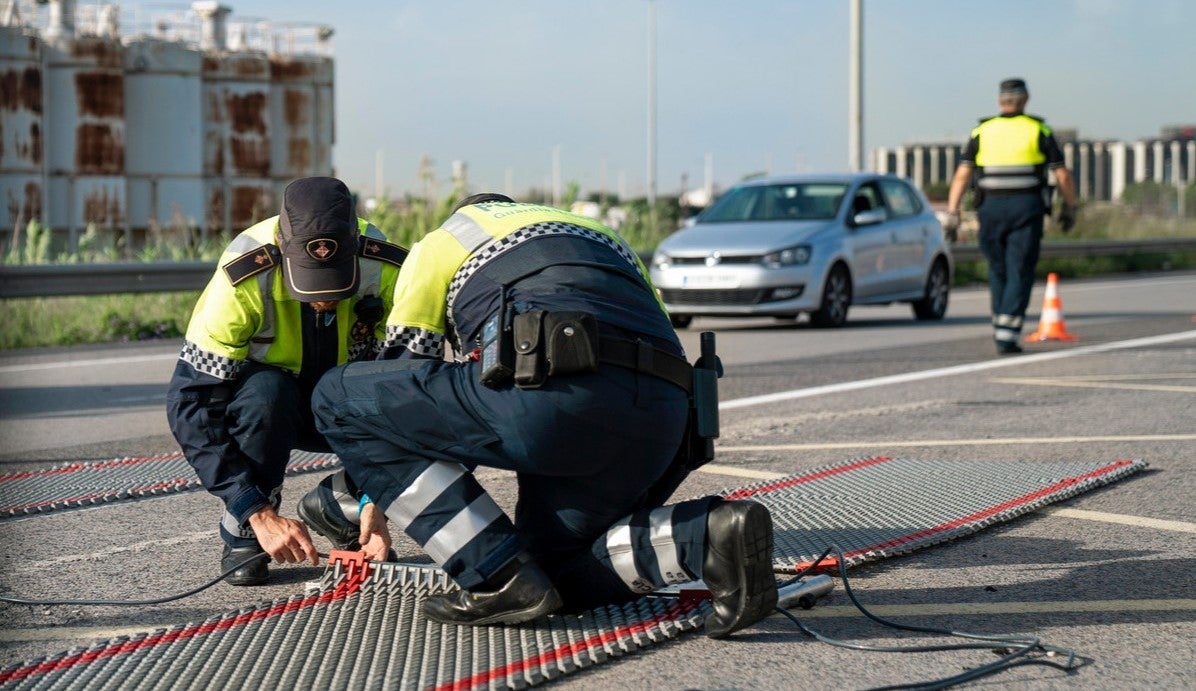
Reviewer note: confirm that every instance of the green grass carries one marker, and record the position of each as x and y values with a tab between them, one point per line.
60	321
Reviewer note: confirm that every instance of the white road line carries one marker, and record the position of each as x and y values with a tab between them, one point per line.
1048	607
98	362
1078	384
822	446
1156	523
954	370
187	539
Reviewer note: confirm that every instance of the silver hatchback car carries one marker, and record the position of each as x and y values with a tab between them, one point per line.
781	246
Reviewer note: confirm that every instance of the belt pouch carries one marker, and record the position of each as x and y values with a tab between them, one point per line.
530	368
571	342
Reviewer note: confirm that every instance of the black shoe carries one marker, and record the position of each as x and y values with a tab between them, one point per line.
737	567
254	573
1008	348
525	596
328	521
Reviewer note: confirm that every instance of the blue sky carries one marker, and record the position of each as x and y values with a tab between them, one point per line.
756	85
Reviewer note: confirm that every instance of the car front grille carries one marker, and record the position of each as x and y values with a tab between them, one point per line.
701	261
716	297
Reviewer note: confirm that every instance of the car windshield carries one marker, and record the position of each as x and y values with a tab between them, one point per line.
798	201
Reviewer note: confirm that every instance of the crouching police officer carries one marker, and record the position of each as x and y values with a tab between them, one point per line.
579	386
295	295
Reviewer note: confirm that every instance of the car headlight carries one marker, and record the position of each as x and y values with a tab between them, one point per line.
661	260
787	257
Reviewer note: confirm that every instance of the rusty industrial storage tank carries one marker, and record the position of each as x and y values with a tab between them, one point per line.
301	116
170	123
236	98
164	128
21	127
85	131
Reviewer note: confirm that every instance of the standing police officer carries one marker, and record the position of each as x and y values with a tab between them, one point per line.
1010	154
580	387
295	295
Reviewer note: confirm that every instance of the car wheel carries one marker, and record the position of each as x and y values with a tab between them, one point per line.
836	299
680	321
933	304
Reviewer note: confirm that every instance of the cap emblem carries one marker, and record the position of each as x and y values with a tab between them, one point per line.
322	249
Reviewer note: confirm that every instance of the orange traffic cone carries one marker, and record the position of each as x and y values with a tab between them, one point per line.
1050	323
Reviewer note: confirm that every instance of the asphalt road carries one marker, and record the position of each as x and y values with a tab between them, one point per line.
1109	573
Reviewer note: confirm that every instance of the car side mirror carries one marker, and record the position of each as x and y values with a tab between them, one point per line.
870	217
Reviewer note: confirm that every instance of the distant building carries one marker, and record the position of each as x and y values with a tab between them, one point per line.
1101	168
187	118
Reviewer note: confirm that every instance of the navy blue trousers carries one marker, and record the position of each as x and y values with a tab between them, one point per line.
268	414
1010	238
585	449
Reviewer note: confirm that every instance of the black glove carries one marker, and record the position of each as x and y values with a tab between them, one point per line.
951	226
1067	218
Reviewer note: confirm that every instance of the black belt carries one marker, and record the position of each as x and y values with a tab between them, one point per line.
646	358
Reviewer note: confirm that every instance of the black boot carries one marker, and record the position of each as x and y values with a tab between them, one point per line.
255	572
527	594
737	567
318	510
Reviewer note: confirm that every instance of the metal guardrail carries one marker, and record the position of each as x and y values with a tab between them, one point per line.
54	280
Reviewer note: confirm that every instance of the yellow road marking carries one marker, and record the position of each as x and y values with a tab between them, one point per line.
716	469
64	633
1157	523
957	442
1050	607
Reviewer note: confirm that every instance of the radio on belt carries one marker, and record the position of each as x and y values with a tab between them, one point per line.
497	362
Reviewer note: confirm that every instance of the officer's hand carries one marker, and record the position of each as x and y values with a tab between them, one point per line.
375	537
285	539
951	226
1067	218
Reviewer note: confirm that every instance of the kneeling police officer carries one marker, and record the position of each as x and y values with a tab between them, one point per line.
579	385
295	295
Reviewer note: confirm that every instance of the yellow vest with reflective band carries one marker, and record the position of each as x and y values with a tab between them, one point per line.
419	319
257	319
1008	156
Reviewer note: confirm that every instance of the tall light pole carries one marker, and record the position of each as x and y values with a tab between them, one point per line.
652	106
855	105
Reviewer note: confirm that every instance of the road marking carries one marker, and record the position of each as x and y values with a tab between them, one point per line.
1093	383
186	539
64	633
1156	523
99	362
822	446
1048	607
716	469
954	370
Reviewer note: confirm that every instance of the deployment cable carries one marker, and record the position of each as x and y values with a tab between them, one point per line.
1026	649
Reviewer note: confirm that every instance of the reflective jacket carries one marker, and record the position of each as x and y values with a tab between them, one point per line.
1012	152
246	314
443	294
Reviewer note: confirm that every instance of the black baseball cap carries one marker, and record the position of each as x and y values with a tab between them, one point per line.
1014	86
318	236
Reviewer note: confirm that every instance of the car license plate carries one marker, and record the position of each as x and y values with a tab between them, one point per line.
710	280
